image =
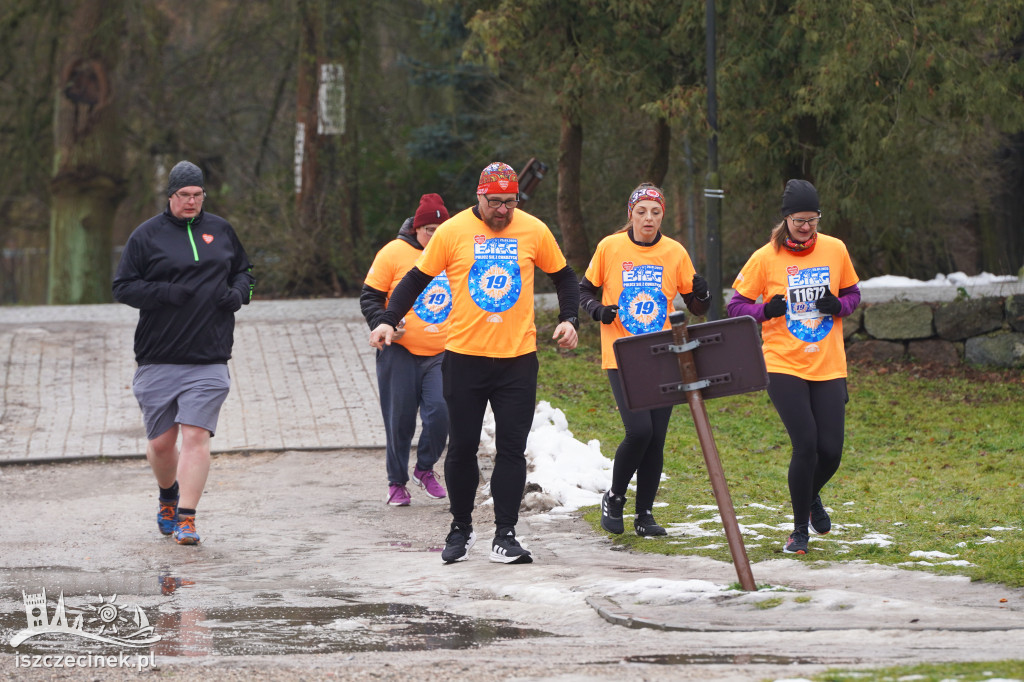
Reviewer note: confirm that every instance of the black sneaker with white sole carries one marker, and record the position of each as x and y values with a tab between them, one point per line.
611	512
505	549
820	523
646	526
458	543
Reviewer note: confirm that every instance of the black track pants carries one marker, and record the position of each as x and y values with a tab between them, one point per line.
814	414
510	384
642	450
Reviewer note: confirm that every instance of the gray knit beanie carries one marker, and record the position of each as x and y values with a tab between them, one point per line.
184	174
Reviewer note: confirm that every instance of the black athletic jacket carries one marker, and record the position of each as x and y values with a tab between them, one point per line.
164	259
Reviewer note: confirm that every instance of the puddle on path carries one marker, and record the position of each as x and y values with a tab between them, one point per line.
282	630
274	630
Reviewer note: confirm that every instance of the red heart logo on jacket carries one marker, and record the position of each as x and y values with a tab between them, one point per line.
208	238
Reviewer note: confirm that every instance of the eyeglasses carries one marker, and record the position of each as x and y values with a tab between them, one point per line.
509	203
188	197
429	230
799	222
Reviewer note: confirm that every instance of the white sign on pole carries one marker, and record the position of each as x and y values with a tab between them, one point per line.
331	100
300	140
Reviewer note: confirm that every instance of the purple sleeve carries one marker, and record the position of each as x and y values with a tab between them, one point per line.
849	299
741	305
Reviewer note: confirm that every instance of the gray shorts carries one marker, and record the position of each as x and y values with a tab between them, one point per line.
180	394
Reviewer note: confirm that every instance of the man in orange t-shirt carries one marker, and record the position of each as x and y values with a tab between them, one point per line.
409	371
489	252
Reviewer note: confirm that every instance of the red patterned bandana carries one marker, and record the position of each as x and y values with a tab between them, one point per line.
498	178
643	194
797	247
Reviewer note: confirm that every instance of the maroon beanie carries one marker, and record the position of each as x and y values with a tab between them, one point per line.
430	212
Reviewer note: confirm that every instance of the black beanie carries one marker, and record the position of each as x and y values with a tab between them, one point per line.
799	196
184	174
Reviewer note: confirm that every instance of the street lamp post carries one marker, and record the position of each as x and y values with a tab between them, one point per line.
713	191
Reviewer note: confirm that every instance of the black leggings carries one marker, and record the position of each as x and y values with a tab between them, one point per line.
642	451
510	384
814	414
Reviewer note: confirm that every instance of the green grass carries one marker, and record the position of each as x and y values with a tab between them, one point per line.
937	672
931	463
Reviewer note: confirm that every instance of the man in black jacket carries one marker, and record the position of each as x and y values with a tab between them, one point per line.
187	273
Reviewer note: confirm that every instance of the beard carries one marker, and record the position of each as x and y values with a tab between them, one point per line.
496	222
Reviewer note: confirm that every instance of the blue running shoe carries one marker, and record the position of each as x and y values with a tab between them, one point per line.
167	516
185	531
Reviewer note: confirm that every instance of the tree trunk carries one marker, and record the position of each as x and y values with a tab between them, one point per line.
658	167
87	183
326	184
570	215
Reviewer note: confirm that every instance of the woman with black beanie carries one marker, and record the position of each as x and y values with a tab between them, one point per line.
807	284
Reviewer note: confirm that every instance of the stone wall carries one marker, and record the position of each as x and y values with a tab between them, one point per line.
987	331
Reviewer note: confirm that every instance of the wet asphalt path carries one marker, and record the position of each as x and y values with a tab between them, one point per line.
304	572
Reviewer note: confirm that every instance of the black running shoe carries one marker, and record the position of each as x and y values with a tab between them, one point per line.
505	549
646	526
458	543
611	512
796	543
820	523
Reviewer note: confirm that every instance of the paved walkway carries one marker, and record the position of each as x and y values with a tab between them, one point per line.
302	378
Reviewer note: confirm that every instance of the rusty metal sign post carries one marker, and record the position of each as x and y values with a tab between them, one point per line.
730	362
691	386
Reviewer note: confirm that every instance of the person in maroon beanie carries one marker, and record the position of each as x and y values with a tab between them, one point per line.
409	370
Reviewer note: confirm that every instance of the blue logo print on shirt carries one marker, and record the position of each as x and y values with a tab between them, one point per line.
643	306
495	281
434	303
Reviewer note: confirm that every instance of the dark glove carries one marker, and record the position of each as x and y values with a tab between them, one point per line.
605	314
179	294
230	300
700	288
829	304
775	307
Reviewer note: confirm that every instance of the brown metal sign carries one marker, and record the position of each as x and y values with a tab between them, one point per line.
728	358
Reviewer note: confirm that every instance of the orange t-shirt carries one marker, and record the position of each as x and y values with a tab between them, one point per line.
491	276
804	342
426	324
642	281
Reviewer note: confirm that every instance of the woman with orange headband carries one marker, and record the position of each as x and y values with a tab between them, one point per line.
640	271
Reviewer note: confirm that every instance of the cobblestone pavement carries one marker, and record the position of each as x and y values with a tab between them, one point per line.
302	378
